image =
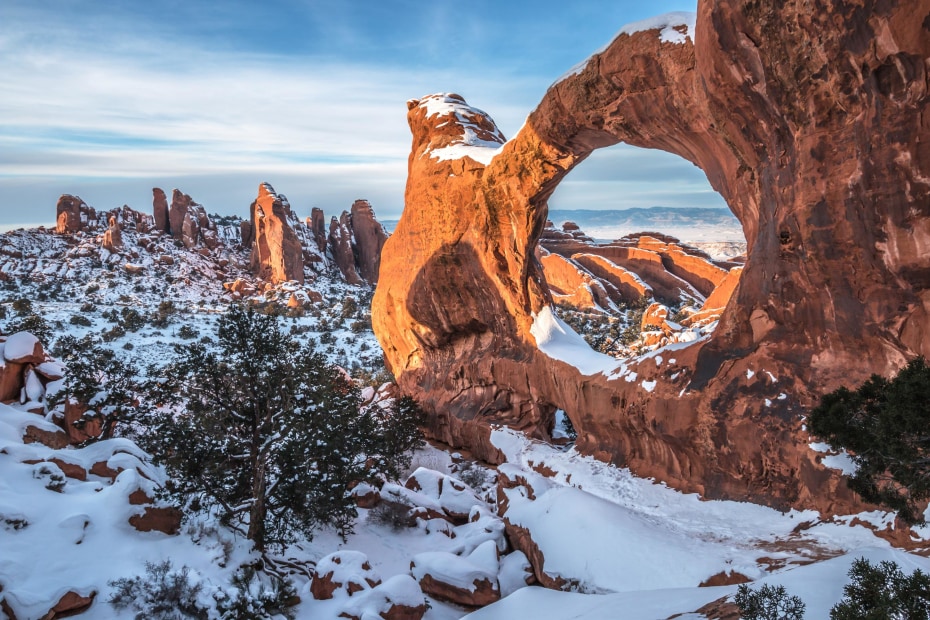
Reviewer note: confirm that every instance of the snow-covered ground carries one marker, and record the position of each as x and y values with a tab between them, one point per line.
626	546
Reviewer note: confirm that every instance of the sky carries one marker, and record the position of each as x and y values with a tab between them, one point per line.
106	100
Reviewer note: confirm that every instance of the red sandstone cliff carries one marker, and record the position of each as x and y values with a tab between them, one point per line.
810	123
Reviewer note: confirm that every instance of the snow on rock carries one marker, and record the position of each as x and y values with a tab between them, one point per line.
544	604
669	25
453	496
593	545
560	342
344	573
675	27
23	348
469	580
78	538
480	139
516	572
398	598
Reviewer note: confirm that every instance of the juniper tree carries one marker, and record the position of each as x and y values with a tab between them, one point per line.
883	592
110	387
267	432
884	424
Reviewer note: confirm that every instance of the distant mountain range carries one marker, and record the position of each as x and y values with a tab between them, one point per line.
690	224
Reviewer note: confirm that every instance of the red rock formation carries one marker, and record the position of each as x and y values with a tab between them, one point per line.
187	221
277	255
340	246
630	287
809	122
245	233
73	214
317	224
369	236
113	236
482	593
70	604
164	519
160	210
568	284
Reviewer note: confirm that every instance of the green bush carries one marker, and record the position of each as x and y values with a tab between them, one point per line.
768	603
883	592
883	424
187	332
32	323
80	319
163	594
258	596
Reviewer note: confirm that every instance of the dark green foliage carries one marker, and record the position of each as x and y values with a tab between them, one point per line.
349	307
162	594
115	332
269	433
768	603
883	592
109	386
22	306
32	323
883	424
163	315
187	332
398	436
131	319
80	319
568	428
258	596
361	325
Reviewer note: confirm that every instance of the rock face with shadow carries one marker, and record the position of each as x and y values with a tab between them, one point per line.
810	121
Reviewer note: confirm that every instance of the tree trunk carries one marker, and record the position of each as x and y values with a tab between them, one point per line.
257	512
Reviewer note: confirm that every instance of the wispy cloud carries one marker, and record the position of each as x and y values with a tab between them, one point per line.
307	95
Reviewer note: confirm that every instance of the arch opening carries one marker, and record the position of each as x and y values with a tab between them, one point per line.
641	259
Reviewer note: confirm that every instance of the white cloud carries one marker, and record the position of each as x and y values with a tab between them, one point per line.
107	109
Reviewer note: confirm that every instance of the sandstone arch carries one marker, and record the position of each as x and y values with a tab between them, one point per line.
809	118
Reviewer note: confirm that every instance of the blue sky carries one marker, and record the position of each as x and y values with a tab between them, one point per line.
108	99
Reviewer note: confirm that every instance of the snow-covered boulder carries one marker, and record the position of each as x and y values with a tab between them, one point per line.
342	573
398	598
470	581
578	541
23	348
453	497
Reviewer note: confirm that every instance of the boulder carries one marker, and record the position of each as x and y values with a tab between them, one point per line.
317	224
164	519
70	604
348	572
398	598
468	581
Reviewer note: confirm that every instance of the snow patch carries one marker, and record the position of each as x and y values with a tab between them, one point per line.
669	26
560	342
